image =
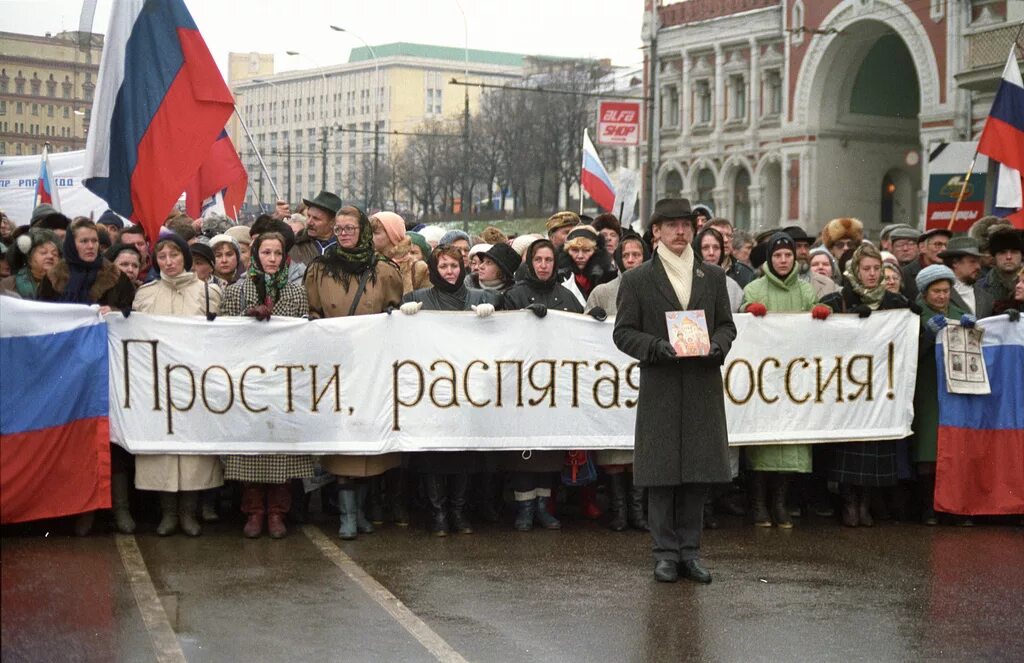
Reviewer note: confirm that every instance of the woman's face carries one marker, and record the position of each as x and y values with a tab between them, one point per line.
543	263
245	251
893	280
580	255
488	270
1018	292
169	260
611	240
869	271
782	262
381	241
632	254
820	264
415	252
463	247
710	249
87	243
474	264
225	261
271	256
937	296
128	263
42	258
202	269
6	228
346	229
448	268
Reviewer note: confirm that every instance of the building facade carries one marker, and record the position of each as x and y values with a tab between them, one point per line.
46	90
315	128
779	112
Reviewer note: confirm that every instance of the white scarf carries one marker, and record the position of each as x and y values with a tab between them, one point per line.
679	270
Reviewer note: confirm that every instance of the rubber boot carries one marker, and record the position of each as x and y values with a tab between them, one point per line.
759	500
458	493
362	494
864	506
617	501
253	497
543	514
437	495
168	514
279	500
347	508
780	485
588	503
397	498
208	505
637	519
84	522
188	502
851	512
119	504
524	514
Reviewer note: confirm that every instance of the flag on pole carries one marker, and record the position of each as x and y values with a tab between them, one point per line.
1002	139
161	103
594	178
222	173
46	187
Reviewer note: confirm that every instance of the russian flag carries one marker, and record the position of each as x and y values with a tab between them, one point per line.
54	431
1002	139
980	462
222	173
594	178
160	105
46	187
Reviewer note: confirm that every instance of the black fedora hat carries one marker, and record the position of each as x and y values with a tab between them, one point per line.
672	208
326	201
797	234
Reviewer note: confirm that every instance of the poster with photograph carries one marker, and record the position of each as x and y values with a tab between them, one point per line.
688	333
964	361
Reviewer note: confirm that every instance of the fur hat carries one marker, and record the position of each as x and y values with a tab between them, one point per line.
983	228
492	235
1005	239
561	220
842	228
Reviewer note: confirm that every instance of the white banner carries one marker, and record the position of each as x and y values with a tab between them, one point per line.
19	176
450	381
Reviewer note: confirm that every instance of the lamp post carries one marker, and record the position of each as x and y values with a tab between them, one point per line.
323	122
376	113
465	123
287	142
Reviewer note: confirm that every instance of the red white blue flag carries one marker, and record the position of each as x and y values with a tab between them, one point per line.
46	186
222	173
594	178
1003	140
160	105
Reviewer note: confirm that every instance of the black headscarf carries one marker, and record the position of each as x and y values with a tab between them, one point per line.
341	264
631	236
81	273
778	242
531	276
451	295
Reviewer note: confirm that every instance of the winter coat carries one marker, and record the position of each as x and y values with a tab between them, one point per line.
177	295
599	269
983	301
431	300
681	434
791	295
604	296
111	288
926	391
305	249
242	295
557	298
415	275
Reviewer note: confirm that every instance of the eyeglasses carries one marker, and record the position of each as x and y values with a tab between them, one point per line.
845	243
346	230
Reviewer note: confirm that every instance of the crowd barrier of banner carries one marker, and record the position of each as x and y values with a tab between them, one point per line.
451	381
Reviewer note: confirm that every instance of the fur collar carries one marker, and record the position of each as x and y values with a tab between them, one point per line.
105	280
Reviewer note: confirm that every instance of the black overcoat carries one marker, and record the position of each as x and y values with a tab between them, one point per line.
681	434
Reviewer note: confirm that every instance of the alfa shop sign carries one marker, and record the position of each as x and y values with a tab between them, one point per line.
618	123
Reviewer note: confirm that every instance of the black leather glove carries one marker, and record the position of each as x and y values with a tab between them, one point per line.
716	355
210	317
126	312
538	310
662	351
862	311
598	313
1013	313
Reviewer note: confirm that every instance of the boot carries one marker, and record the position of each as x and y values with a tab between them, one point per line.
375	500
168	514
363	523
543	514
84	522
438	496
637	520
617	501
926	489
188	502
864	507
759	500
347	508
279	500
253	495
487	507
524	514
458	489
396	482
780	484
588	503
300	501
851	511
208	505
119	504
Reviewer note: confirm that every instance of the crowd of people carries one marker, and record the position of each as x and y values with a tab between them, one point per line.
332	260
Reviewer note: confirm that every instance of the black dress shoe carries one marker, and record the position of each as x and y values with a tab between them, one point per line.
693	570
666	571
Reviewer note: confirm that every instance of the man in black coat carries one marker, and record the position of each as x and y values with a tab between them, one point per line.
681	441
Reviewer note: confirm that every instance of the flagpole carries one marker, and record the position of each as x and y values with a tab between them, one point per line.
259	157
582	157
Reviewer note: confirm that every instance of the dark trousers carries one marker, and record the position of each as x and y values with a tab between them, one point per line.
676	517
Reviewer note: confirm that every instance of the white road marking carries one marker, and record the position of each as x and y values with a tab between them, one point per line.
165	642
426	636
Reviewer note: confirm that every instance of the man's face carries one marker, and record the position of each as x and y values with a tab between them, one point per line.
841	247
138	240
319	223
1008	261
726	233
675	234
933	246
803	252
905	250
967	269
558	236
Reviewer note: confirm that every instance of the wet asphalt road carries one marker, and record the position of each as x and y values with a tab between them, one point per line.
896	592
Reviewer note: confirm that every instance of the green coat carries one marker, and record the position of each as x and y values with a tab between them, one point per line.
926	391
789	296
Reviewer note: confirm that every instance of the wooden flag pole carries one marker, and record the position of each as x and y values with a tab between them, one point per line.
963	191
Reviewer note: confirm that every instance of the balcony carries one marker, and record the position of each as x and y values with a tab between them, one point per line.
985	57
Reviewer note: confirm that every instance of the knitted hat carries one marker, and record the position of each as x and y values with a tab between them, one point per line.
110	218
433	235
843	228
222	239
240	234
451	237
931	274
418	240
179	241
506	258
561	220
28	242
201	251
523	242
394	225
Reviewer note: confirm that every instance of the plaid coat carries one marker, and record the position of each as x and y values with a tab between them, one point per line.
242	295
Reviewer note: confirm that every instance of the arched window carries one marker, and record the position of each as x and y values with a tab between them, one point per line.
741	199
705	185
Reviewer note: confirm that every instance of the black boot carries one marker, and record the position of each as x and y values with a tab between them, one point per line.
375	501
489	500
637	519
438	497
759	500
458	488
397	497
926	490
851	514
864	506
617	501
524	514
780	512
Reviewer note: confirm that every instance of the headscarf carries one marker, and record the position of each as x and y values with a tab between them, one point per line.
870	297
531	276
268	286
631	236
81	273
778	242
451	295
341	264
453	236
393	224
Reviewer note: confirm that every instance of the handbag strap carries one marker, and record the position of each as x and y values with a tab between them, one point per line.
363	278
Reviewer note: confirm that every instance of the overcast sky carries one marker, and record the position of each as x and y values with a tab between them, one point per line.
581	28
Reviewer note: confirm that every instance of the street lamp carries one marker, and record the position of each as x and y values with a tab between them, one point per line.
323	120
287	141
465	122
376	113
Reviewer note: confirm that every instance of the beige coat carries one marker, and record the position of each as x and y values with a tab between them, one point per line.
180	295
